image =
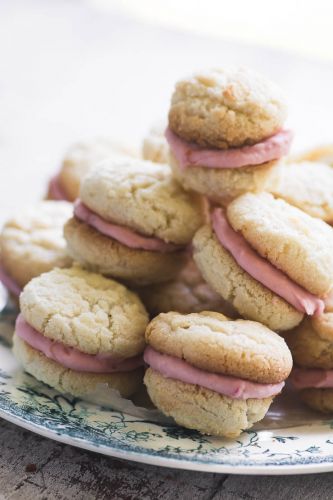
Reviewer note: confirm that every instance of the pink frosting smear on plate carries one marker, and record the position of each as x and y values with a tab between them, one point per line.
233	387
306	378
55	190
122	234
9	282
191	155
262	270
72	358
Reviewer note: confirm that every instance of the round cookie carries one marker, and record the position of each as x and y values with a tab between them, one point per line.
247	295
32	241
186	294
133	222
225	108
79	160
75	322
222	185
307	185
155	147
208	347
102	254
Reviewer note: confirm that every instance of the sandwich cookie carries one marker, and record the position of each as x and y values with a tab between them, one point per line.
79	160
212	374
32	243
272	261
307	185
155	147
133	222
226	133
78	329
311	344
187	293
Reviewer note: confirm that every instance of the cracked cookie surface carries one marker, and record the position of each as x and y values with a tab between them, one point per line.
32	242
249	297
86	311
84	156
212	342
143	196
225	108
307	185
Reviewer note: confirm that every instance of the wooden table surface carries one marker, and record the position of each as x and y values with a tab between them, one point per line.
68	70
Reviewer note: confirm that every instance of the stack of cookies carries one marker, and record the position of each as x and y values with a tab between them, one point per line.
206	235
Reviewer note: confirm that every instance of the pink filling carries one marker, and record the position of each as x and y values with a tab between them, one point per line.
233	387
55	190
9	282
191	155
120	233
71	358
262	270
303	378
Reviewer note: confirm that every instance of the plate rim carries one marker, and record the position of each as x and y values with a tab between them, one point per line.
162	461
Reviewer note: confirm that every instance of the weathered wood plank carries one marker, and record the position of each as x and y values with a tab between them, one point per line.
32	467
309	487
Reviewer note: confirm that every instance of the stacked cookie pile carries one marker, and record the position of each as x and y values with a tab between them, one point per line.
206	235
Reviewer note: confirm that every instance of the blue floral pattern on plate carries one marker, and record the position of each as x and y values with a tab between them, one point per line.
302	446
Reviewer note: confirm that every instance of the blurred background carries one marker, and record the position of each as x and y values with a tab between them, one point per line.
74	69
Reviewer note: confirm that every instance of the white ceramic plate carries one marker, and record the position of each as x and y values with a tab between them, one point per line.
291	440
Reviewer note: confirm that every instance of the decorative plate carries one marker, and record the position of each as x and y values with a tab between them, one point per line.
291	440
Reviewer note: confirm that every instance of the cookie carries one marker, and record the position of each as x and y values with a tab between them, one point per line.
99	253
248	296
144	220
75	323
261	244
222	185
186	294
32	243
318	399
290	239
155	147
213	374
224	108
307	185
311	344
322	154
226	133
79	160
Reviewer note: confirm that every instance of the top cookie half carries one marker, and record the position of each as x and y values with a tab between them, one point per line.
225	108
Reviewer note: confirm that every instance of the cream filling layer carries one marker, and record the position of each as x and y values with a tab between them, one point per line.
123	234
233	387
262	270
72	358
191	155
